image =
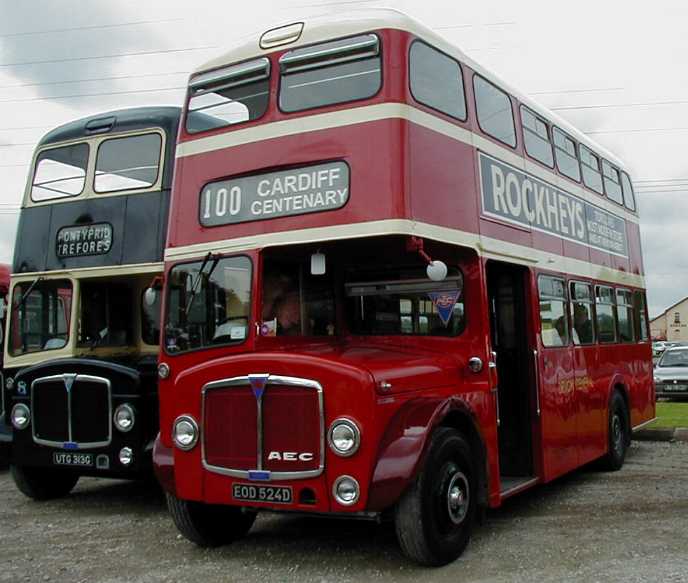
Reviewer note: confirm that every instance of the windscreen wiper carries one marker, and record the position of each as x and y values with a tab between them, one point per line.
25	295
194	287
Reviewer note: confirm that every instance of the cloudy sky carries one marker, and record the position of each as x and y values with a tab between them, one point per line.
615	70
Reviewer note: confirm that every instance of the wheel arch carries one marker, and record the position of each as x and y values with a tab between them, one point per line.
404	447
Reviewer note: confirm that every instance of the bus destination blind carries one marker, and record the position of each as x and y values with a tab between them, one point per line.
298	191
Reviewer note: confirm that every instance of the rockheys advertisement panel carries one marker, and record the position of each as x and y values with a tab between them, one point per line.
297	191
512	195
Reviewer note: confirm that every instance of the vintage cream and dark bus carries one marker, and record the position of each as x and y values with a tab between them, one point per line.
83	318
4	429
396	289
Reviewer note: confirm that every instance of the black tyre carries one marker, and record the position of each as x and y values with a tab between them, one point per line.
42	483
209	525
619	434
434	518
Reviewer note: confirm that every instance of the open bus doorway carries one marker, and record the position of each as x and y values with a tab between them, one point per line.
510	337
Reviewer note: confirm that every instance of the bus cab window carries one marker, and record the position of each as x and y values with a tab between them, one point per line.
583	331
296	303
103	321
40	321
209	303
605	307
553	317
641	323
407	304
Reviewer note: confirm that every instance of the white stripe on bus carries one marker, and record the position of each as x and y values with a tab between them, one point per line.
484	246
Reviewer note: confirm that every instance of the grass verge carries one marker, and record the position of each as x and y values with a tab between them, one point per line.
670	415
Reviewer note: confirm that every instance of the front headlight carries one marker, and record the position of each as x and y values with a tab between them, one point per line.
20	416
185	432
344	437
124	417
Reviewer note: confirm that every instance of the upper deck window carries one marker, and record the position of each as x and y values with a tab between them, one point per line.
436	80
628	195
590	163
495	115
334	72
536	137
128	163
60	172
612	182
565	151
228	96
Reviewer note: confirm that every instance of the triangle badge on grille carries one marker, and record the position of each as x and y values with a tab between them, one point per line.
68	381
258	382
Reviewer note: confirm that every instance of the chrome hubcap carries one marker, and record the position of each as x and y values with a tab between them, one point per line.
458	498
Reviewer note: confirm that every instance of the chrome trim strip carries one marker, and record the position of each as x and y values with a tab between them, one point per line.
313	57
643	424
75	378
236	75
244	381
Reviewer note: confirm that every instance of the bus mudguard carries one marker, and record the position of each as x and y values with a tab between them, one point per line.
405	442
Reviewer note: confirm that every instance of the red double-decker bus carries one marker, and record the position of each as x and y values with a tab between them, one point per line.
395	288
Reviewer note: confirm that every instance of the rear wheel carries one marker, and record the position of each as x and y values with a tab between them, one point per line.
42	483
619	434
435	516
209	525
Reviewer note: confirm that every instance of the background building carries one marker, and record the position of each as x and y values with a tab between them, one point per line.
672	324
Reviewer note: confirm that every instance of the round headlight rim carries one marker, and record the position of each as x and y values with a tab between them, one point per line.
357	436
28	416
163	371
132	412
194	424
335	493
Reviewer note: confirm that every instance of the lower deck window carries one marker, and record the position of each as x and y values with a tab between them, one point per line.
553	317
605	306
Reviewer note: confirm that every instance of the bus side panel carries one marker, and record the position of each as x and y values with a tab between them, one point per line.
642	389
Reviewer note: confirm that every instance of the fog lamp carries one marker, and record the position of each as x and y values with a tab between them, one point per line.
124	418
21	415
126	456
185	432
346	490
344	437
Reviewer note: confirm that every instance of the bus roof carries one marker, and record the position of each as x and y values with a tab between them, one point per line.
333	25
121	120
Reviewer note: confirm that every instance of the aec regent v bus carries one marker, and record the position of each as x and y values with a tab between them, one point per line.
83	321
395	288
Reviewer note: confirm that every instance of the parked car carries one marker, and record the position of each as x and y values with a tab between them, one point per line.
671	372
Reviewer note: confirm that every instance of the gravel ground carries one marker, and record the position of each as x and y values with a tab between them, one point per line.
629	526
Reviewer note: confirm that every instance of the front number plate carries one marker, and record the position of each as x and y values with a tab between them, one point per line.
269	494
83	460
678	388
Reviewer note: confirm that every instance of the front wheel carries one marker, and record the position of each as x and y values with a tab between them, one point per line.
209	525
619	434
434	518
41	483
